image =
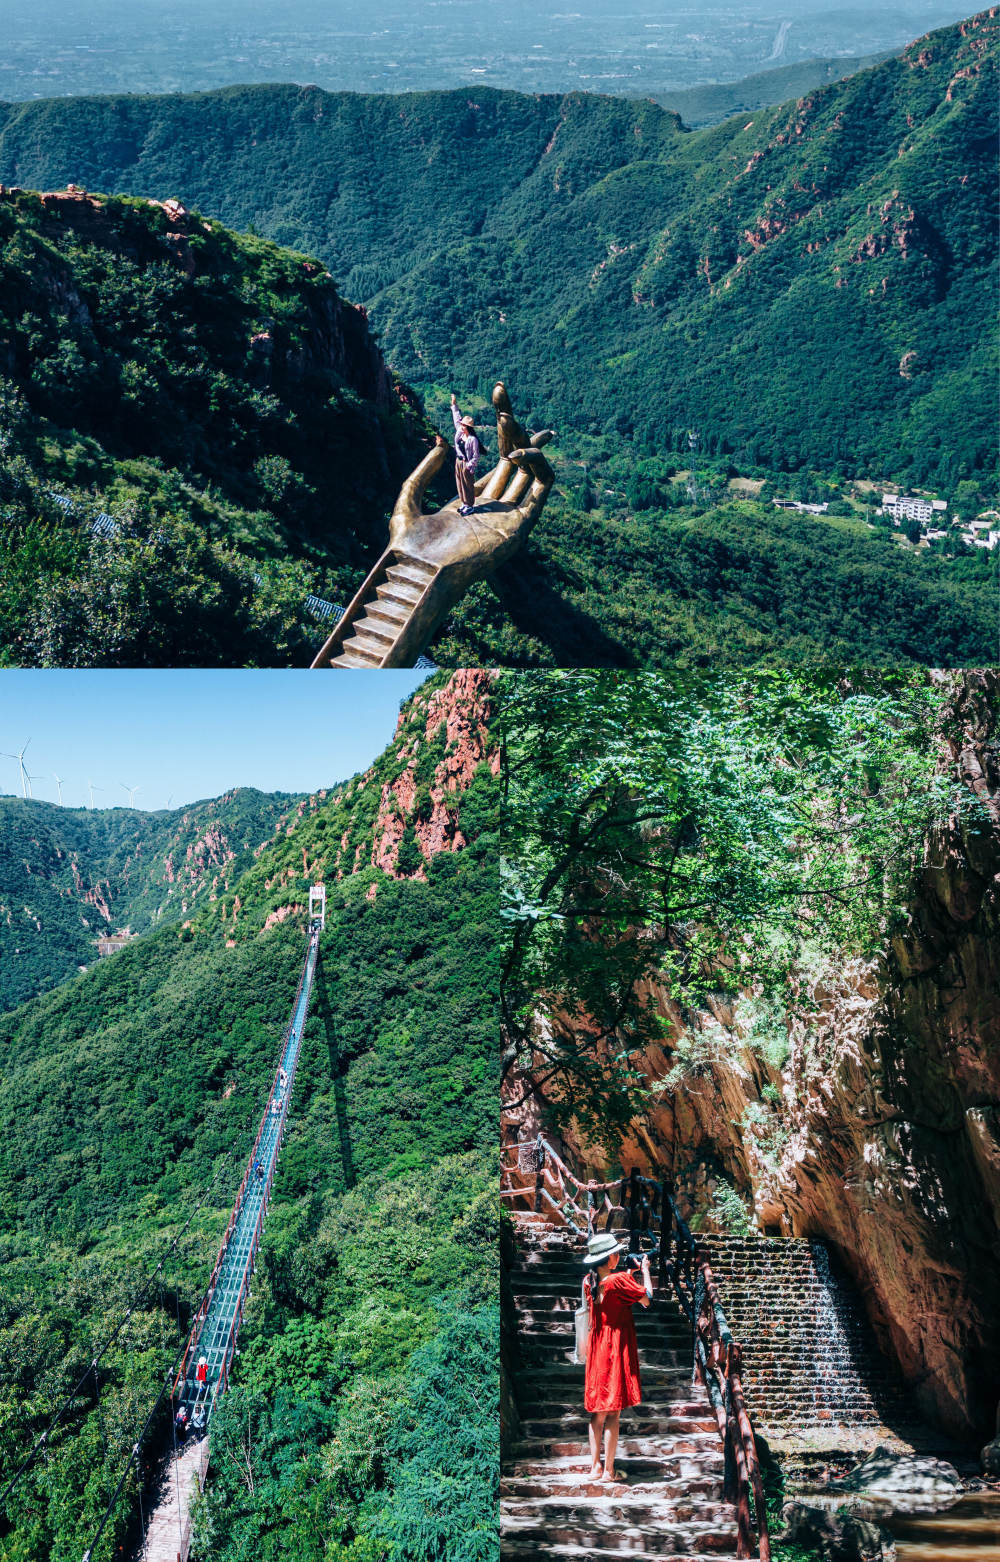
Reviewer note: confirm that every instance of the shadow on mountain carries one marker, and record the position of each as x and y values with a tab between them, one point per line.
538	608
324	1012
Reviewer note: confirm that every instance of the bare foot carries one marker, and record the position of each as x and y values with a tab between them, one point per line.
611	1477
593	1474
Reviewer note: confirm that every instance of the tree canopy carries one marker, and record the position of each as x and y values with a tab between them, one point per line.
711	833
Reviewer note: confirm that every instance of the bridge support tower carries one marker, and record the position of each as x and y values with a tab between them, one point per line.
317	905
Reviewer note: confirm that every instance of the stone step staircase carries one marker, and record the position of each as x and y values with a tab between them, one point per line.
384	624
669	1505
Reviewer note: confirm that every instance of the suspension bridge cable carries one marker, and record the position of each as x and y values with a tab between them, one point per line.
42	1441
167	1386
166	1390
133	1454
134	1451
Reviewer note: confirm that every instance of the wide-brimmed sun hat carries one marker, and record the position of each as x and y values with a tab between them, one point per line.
468	422
600	1249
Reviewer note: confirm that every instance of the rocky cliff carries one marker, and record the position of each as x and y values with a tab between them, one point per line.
329	337
184	406
70	875
390	821
875	1125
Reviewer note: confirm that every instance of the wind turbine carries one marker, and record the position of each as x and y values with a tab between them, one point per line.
93	789
20	759
58	782
131	790
31	778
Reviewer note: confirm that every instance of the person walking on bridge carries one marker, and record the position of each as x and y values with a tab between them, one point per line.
467	453
612	1378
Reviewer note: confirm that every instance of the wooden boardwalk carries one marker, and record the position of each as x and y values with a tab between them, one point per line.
168	1533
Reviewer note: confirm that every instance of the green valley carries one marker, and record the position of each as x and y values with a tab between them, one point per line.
69	876
808	294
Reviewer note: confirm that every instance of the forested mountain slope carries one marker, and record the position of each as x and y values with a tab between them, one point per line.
124	1093
812	286
716	100
68	875
214	395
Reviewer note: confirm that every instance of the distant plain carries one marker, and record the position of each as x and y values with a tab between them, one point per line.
55	48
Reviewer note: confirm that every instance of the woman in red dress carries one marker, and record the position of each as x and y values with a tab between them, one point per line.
612	1378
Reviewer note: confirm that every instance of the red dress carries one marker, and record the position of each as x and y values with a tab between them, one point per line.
612	1380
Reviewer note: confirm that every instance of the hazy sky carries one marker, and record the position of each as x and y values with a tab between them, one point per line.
186	735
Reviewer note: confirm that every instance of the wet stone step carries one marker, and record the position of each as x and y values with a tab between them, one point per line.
628	1539
644	1426
590	1503
676	1400
669	1506
537	1347
533	1550
664	1411
555	1304
531	1478
661	1376
701	1450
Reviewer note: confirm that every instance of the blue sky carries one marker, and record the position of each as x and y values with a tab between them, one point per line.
183	735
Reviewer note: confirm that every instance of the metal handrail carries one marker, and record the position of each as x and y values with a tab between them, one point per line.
206	1301
222	1381
683	1266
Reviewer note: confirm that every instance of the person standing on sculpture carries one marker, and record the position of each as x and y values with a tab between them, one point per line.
612	1377
467	453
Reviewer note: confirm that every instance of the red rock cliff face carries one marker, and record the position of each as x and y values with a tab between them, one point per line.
410	798
463	707
881	1131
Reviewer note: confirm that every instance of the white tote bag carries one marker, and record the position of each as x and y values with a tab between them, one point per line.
581	1321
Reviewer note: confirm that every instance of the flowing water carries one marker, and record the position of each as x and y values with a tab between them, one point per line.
968	1532
836	1374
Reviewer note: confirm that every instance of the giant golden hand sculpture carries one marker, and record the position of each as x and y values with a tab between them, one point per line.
432	559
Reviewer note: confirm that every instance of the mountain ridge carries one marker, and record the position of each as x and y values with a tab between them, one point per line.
640	232
801	297
70	875
709	102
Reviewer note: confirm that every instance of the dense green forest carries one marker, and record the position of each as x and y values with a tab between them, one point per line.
733	582
722	837
218	400
812	290
70	874
762	280
127	1091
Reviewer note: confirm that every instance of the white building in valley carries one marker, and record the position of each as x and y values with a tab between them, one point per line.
907	507
981	534
803	509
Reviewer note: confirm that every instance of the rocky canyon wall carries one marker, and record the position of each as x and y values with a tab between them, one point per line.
880	1130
